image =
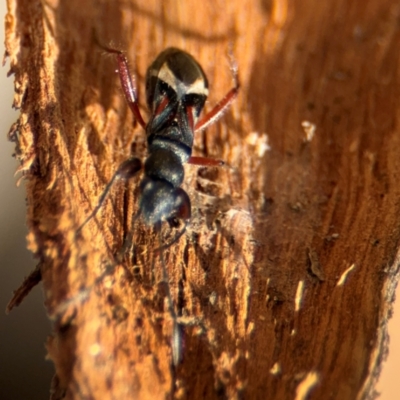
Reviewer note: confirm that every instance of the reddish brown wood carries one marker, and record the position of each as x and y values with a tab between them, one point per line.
312	189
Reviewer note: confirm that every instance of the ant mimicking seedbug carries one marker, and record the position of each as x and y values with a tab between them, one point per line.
176	91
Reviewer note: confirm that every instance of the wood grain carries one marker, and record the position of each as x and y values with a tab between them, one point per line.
311	191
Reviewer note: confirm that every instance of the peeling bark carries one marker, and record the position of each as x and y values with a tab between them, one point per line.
284	280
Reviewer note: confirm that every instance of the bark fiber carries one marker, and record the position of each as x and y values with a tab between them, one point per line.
284	279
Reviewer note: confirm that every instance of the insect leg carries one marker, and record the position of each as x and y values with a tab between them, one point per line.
205	162
128	239
216	113
128	83
176	339
126	170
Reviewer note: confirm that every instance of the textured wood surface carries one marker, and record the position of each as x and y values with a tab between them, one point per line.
285	277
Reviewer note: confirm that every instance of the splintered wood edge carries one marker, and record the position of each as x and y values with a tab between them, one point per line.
30	148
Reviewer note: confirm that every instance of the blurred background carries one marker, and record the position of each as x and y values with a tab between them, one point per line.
24	372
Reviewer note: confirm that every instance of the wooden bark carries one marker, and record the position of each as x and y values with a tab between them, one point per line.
259	279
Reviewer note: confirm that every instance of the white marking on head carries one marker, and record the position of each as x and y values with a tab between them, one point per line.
166	75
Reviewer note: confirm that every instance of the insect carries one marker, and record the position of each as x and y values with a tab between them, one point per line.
176	91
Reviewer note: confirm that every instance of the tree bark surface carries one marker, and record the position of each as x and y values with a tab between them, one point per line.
284	280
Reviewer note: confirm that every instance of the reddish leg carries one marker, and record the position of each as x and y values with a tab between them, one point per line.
216	113
205	162
128	83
